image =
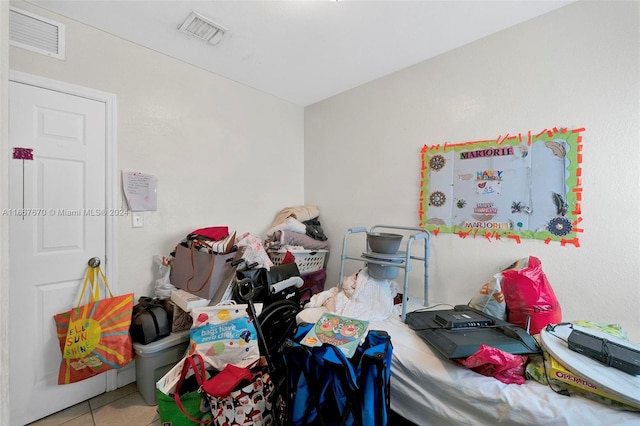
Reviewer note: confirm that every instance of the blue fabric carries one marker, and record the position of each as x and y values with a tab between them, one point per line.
325	380
375	371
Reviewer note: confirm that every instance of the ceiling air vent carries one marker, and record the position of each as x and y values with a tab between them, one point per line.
203	28
35	33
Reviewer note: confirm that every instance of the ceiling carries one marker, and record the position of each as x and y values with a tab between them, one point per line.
304	51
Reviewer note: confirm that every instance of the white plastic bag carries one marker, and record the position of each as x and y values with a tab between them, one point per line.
163	286
254	251
223	334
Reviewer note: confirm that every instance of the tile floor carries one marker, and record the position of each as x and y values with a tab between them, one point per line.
126	407
123	406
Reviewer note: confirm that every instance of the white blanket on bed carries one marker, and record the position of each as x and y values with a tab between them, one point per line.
428	389
361	297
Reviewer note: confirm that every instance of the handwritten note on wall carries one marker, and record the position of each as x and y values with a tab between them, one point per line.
140	190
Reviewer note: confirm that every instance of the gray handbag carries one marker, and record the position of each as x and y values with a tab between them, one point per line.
203	273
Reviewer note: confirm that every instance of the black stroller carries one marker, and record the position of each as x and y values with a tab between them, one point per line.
319	385
278	289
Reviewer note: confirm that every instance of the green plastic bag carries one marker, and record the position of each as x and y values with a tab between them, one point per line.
193	403
185	406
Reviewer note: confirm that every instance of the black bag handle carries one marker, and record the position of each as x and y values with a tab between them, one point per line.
146	304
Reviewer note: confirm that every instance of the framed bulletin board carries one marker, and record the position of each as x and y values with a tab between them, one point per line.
512	187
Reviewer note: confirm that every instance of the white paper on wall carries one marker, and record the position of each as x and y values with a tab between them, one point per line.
140	190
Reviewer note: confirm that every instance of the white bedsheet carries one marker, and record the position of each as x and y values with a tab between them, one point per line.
430	390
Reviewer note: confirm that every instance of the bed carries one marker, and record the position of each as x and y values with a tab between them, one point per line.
428	389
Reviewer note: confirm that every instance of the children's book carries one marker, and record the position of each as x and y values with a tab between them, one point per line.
342	332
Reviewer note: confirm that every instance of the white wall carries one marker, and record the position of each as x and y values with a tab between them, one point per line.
575	67
215	146
4	221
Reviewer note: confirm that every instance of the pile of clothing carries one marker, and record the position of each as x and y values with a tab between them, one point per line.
297	228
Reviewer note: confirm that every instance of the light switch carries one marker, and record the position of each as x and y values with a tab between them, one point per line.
137	219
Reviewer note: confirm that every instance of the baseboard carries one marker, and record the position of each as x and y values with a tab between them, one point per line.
126	375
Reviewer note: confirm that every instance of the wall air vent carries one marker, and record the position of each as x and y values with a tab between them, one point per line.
35	33
203	28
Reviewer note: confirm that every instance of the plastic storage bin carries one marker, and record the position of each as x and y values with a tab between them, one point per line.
155	359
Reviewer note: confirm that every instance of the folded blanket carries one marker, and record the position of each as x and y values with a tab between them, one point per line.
289	224
280	239
302	213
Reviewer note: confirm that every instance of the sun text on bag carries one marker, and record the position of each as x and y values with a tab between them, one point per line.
83	336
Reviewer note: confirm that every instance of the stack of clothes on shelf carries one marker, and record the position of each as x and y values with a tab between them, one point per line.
296	234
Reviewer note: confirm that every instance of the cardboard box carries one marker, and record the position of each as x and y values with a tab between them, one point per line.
187	301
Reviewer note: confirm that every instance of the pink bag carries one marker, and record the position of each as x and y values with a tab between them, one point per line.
529	296
493	362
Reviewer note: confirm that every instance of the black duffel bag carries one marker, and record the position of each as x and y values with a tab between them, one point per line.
149	321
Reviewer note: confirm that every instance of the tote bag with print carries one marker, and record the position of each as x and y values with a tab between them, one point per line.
94	337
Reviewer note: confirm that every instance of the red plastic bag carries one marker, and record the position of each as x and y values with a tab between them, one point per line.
214	233
493	362
288	258
528	294
223	383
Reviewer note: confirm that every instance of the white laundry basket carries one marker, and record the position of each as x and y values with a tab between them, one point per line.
306	260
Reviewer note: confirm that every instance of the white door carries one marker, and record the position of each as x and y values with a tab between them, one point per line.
55	226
